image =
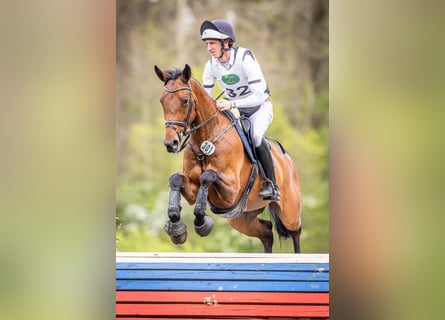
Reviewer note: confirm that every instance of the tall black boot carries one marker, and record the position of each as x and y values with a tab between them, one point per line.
270	189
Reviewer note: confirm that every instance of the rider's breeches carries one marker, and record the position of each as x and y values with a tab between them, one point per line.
260	121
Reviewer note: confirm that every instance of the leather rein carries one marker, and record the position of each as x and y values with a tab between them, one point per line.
184	135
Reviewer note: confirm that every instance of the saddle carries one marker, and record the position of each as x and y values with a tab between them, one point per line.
243	127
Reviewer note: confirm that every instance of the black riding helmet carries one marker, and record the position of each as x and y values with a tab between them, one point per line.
218	30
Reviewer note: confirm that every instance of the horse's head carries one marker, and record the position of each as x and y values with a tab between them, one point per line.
177	102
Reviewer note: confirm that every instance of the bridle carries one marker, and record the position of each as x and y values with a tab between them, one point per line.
184	135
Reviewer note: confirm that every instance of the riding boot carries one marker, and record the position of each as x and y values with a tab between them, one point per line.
270	189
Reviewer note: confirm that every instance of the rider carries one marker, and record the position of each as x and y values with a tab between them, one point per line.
239	74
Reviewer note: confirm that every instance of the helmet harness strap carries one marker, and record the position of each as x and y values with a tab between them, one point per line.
223	50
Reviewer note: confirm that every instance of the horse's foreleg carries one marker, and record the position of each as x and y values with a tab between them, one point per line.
175	228
203	222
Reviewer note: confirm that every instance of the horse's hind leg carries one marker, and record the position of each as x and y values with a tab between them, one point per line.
296	240
267	235
249	224
203	222
175	228
286	225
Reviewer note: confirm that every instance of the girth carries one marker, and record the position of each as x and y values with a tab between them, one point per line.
238	209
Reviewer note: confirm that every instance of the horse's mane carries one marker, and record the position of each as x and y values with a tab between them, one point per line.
173	74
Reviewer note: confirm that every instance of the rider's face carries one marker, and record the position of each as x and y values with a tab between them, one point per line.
214	47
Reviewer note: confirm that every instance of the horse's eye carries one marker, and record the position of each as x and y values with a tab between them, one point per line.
185	102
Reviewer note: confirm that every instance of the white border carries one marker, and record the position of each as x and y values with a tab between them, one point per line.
218	257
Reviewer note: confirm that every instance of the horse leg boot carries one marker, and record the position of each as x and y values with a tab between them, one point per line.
203	222
269	189
175	228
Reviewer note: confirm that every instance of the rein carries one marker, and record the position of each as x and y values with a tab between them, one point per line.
200	156
184	135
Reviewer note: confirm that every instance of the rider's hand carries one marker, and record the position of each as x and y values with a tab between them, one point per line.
224	104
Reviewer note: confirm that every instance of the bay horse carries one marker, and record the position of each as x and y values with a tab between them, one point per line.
217	170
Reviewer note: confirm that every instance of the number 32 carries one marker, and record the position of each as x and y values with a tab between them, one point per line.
240	91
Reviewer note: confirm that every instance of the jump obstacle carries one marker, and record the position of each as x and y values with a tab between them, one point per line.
221	286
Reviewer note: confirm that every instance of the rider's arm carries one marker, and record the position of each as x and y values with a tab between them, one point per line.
257	84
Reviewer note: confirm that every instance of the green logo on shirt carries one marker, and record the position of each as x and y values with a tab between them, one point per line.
230	79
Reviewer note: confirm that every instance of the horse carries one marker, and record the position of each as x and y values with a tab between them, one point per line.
217	169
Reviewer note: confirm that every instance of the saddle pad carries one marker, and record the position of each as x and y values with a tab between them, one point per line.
242	135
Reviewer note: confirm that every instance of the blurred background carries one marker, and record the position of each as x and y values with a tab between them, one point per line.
291	41
59	187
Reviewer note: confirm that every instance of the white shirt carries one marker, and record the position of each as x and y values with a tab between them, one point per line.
241	79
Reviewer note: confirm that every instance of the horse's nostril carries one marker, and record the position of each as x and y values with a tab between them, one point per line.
172	146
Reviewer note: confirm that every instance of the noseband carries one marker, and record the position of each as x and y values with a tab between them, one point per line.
184	135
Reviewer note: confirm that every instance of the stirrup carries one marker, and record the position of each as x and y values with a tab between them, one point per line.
272	194
274	197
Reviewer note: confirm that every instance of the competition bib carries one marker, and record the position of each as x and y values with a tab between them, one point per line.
207	148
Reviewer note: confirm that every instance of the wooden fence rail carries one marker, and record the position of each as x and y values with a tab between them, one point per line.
222	286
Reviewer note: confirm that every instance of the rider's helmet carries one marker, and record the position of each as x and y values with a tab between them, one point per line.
217	29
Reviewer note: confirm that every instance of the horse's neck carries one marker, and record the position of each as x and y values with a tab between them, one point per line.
206	109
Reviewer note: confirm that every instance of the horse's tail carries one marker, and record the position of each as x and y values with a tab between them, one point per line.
277	142
279	226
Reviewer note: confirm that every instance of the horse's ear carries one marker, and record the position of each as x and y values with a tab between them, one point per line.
160	73
187	73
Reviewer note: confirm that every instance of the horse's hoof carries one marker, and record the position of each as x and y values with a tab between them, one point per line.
177	231
175	228
179	239
206	227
